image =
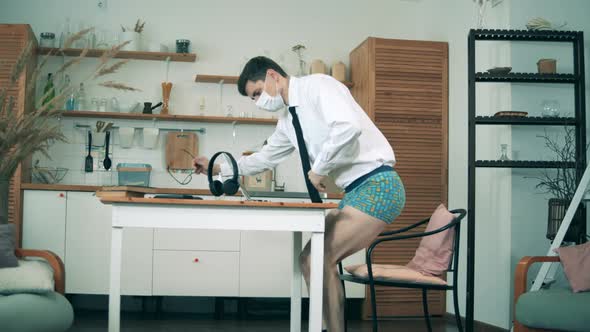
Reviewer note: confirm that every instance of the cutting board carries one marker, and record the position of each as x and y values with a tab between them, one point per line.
176	144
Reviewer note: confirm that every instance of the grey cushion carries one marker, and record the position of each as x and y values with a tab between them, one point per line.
7	257
557	308
49	312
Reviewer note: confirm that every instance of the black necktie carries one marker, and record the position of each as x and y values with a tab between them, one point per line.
313	192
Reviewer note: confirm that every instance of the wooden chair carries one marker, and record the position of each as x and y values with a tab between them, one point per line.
520	285
453	267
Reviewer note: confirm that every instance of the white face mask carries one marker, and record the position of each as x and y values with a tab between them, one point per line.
270	103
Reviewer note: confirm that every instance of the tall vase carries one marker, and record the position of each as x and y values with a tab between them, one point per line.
4	189
166	89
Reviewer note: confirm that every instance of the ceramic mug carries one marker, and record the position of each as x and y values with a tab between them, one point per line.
126	137
150	137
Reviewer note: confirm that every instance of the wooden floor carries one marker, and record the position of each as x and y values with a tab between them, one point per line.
93	321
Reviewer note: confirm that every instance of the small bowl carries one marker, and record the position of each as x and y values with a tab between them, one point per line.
499	70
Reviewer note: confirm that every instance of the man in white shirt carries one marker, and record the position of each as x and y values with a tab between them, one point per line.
335	138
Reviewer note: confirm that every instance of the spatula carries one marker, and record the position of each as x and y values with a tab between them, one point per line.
88	162
107	161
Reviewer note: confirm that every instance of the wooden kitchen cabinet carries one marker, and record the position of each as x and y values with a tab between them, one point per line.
196	273
88	247
44	221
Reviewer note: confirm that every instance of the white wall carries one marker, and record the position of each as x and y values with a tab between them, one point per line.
224	33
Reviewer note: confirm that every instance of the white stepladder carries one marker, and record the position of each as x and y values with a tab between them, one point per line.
548	268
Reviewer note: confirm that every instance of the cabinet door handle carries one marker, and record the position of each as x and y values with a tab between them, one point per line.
196	260
61	195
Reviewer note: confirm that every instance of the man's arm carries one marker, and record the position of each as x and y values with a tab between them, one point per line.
277	149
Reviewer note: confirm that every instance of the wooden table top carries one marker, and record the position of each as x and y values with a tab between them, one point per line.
208	202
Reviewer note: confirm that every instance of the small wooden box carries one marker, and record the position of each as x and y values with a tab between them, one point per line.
259	182
547	66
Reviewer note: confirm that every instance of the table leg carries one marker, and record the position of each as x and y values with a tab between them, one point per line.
316	282
115	283
296	285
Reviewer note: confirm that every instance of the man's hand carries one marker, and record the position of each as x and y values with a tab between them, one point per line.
201	165
317	181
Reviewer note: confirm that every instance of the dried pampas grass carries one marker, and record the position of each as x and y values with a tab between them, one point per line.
22	135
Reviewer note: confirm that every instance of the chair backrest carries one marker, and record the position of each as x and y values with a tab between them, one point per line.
454	262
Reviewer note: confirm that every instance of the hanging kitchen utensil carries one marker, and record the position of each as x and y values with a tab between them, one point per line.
88	161
99	126
176	144
107	161
108	127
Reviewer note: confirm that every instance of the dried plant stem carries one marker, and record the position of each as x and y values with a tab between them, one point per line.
117	86
73	61
561	182
23	134
75	37
110	69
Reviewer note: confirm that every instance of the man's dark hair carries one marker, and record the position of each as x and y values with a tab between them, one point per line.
255	70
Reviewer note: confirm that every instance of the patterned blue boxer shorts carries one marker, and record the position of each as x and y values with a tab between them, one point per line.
382	196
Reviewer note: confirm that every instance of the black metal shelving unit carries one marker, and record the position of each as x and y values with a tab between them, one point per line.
579	121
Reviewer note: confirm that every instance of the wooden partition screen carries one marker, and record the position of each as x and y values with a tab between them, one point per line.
403	86
13	40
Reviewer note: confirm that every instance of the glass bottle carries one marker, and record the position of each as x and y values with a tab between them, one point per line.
504	152
71	101
48	90
229	111
66	32
81	101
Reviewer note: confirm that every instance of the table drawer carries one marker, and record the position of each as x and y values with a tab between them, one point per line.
196	239
196	273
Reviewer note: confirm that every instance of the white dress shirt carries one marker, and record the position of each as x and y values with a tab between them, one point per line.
341	139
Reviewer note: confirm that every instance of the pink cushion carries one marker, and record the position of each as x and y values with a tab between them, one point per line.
393	273
435	251
576	265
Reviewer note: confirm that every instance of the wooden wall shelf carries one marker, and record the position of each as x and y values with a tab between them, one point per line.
137	55
166	117
234	79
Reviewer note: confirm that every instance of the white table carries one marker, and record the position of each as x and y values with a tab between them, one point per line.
225	215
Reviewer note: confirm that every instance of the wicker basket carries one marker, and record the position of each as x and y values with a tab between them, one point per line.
557	209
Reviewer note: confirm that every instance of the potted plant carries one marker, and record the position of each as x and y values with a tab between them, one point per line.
561	183
22	135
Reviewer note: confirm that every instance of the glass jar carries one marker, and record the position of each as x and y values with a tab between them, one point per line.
550	108
182	45
47	39
103	105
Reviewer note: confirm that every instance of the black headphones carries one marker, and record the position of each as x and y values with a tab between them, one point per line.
228	187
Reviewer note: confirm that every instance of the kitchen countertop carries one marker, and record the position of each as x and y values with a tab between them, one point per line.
87	188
